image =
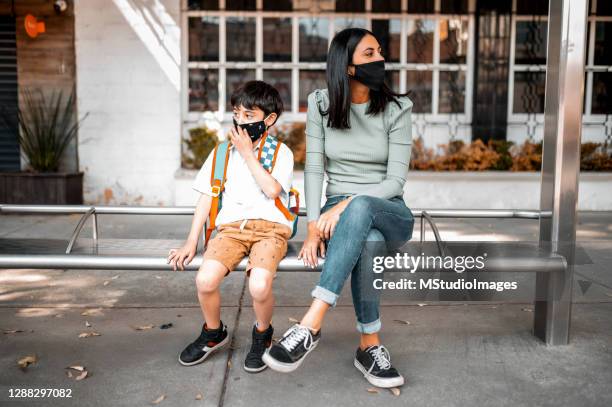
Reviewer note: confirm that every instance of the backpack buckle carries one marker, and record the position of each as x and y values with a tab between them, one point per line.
216	190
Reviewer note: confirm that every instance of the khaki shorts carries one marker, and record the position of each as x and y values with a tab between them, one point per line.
265	243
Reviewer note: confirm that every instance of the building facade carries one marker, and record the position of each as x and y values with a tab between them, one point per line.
148	71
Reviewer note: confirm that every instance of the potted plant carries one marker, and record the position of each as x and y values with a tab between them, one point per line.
44	125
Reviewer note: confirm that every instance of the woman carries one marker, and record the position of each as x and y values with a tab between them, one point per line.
359	132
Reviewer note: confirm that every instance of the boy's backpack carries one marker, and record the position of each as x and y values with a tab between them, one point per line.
268	150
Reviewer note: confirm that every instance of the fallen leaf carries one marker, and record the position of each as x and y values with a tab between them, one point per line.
402	321
26	361
158	277
372	390
88	334
395	391
144	327
106	282
12	331
87	324
114	277
527	310
199	396
159	399
83	372
291	319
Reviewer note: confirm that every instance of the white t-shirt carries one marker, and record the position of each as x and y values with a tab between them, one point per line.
243	198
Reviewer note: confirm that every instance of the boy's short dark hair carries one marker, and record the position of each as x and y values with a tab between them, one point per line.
258	94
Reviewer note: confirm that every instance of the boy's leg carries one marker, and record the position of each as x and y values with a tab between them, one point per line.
208	280
223	253
260	287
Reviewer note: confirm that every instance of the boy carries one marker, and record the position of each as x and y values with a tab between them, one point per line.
248	223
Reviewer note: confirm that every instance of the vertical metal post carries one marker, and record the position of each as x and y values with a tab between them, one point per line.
567	20
94	228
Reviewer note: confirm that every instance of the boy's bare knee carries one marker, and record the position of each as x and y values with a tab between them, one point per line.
206	283
260	285
209	277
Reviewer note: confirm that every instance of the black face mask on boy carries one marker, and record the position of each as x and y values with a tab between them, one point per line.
255	130
371	74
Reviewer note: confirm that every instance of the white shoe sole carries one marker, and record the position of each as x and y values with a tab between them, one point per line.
216	348
377	381
254	370
285	367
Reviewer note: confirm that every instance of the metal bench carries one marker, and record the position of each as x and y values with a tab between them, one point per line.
151	254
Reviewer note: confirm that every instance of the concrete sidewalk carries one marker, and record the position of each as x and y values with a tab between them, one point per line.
451	355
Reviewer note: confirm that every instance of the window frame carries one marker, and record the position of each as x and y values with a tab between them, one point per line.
292	114
532	120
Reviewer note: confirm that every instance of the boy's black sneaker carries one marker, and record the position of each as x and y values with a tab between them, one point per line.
260	342
375	364
209	341
289	353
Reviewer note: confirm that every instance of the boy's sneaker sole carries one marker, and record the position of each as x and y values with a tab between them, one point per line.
377	381
282	366
254	370
212	350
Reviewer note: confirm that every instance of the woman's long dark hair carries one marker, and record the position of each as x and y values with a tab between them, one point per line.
339	57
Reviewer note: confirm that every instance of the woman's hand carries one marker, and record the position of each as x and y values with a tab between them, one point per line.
327	221
312	245
183	256
241	140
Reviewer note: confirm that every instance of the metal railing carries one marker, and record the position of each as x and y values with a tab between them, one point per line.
94	210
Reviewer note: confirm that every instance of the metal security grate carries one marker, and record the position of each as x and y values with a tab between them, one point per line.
9	148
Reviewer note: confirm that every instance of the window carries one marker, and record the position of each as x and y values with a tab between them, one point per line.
528	62
599	66
285	43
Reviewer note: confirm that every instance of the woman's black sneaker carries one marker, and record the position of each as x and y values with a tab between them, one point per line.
260	342
289	353
375	364
209	341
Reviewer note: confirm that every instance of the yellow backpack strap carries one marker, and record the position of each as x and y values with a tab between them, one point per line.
217	182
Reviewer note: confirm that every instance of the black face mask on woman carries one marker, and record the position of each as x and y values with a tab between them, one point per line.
371	74
255	130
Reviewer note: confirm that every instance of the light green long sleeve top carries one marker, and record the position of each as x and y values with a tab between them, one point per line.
371	158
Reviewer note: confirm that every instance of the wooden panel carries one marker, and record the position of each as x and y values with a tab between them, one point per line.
47	61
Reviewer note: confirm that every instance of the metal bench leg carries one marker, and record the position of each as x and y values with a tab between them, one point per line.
553	306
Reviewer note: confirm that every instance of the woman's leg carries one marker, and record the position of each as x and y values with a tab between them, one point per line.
392	219
394	222
366	299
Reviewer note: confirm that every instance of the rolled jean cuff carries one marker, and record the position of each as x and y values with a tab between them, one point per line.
370	327
325	295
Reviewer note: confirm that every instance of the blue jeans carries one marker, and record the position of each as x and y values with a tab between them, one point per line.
366	225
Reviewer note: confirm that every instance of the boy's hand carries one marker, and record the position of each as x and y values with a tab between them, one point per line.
312	246
241	140
183	256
